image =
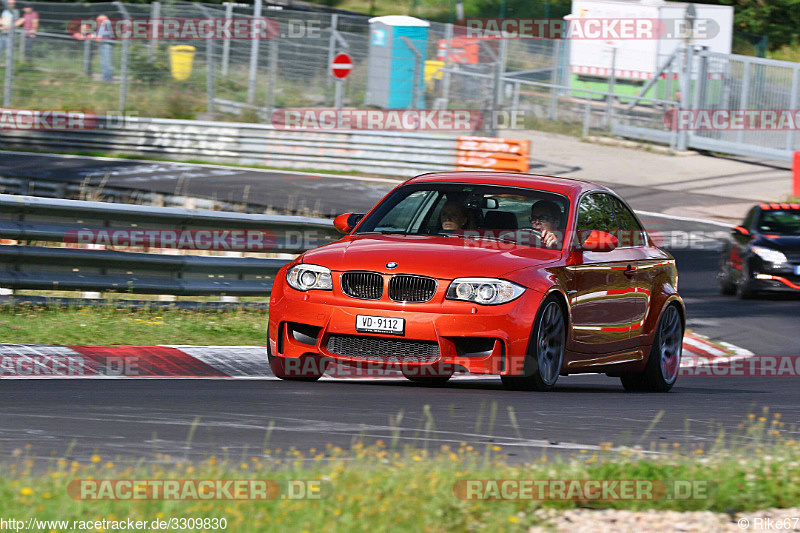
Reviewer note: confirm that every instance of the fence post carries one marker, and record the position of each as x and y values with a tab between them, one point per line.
331	47
155	13
123	84
554	88
226	44
745	96
686	87
273	76
612	81
586	118
87	57
209	65
254	44
9	77
448	37
792	105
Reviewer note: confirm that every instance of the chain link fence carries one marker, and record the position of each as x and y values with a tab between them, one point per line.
245	80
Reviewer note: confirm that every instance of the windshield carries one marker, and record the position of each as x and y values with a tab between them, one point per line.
472	211
780	222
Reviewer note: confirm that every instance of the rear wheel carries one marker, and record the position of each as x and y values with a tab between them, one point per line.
664	362
545	355
304	368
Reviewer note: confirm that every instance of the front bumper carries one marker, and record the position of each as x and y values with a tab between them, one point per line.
462	335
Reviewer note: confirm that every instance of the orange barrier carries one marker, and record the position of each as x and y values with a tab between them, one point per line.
490	153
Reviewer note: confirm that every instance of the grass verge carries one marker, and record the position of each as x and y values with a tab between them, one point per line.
384	487
104	326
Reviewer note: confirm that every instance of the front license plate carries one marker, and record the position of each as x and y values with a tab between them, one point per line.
380	324
797	270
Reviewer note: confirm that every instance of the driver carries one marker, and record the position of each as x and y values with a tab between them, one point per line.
545	218
453	216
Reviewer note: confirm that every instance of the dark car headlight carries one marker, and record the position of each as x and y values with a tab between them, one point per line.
304	277
484	291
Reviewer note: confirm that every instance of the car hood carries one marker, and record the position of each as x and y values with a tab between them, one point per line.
783	243
434	256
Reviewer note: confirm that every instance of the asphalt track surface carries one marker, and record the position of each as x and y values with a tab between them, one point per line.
145	418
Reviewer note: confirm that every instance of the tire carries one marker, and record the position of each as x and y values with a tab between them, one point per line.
428	375
307	368
664	360
545	355
745	289
727	286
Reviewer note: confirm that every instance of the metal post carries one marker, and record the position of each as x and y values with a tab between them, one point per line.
702	79
87	57
515	101
123	83
587	116
273	75
612	81
745	97
254	44
9	77
210	86
332	46
686	87
415	92
555	81
155	13
448	37
792	105
226	44
339	96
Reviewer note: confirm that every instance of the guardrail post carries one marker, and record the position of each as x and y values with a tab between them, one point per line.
9	77
254	44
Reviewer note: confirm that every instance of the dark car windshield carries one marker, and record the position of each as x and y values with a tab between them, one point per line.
475	211
780	222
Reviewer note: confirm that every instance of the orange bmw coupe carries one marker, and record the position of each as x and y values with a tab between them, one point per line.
522	276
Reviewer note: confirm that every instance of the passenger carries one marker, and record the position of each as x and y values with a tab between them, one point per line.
546	218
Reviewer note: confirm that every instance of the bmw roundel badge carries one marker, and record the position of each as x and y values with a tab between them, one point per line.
391	265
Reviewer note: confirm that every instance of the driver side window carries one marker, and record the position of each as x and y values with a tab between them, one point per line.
596	212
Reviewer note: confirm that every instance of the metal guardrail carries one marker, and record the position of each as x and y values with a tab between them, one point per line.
387	153
27	218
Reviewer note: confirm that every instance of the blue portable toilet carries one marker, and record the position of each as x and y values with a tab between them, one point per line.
390	78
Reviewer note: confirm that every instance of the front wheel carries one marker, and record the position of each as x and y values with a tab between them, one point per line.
664	361
545	355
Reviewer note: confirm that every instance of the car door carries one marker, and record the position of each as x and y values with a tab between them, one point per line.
644	263
601	291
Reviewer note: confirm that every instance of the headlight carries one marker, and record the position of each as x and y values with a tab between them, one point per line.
304	277
484	291
768	254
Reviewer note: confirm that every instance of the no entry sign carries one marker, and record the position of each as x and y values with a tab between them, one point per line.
341	66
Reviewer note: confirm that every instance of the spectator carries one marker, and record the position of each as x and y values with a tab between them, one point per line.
30	24
7	21
104	37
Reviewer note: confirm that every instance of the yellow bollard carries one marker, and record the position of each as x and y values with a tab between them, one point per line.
180	61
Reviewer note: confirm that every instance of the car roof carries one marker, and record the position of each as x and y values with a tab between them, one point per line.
566	186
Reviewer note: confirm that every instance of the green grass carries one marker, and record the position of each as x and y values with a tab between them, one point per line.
383	487
104	326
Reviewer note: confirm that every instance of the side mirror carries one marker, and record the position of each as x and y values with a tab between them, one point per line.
740	230
346	222
599	241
